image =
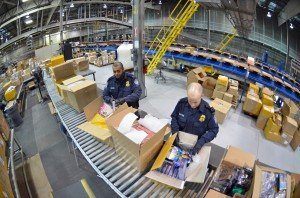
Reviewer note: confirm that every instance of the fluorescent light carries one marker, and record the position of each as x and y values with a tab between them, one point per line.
104	6
291	26
121	11
72	5
269	14
63	14
159	2
27	16
25	0
29	21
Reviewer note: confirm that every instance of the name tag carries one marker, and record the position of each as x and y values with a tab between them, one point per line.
112	88
182	115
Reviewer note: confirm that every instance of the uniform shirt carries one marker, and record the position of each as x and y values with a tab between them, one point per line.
199	121
126	87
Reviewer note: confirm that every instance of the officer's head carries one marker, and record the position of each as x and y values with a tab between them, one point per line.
194	93
118	69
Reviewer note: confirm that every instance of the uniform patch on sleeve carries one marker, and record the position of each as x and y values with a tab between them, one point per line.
127	84
136	82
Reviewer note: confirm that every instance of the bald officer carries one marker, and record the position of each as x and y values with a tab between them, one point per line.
122	87
193	115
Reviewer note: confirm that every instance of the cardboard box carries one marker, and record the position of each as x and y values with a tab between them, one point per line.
4	127
141	156
2	146
277	118
191	176
63	71
223	80
221	88
218	94
83	65
209	83
286	138
208	93
272	131
289	125
267	100
64	90
80	93
259	169
233	91
197	75
266	112
252	104
290	109
237	157
233	83
267	92
221	109
253	87
296	140
215	194
90	111
228	97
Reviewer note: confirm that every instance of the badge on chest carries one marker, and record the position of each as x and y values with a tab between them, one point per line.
202	118
127	84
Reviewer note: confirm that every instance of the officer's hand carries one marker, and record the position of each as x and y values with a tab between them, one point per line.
193	151
120	101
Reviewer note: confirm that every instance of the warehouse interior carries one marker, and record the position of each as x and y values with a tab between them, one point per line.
66	131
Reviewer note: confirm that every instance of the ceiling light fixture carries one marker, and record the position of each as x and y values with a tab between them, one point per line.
269	14
72	5
27	16
121	11
24	1
291	26
159	2
29	21
104	6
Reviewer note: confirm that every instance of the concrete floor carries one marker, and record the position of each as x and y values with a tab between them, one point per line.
238	129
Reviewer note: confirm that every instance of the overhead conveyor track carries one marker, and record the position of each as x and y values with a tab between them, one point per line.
122	177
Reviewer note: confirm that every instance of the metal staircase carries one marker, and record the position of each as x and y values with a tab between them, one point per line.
226	40
180	15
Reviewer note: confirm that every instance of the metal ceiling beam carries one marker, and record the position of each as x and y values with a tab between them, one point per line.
10	3
50	15
70	22
15	14
291	9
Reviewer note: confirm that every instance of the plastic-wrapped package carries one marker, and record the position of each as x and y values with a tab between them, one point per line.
268	185
105	110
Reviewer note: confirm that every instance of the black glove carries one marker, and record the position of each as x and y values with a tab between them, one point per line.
194	150
119	101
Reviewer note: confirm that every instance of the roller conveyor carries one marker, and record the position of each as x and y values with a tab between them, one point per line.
122	177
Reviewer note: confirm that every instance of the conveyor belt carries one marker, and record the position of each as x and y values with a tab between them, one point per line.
123	178
227	67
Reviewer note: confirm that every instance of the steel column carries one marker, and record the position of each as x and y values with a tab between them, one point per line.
208	28
287	47
138	11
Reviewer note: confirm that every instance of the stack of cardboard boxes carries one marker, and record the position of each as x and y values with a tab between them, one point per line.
76	90
279	128
252	104
221	88
111	58
79	64
5	186
291	111
104	57
198	75
233	92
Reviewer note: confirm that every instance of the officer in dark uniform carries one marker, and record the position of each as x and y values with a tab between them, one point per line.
122	87
193	115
